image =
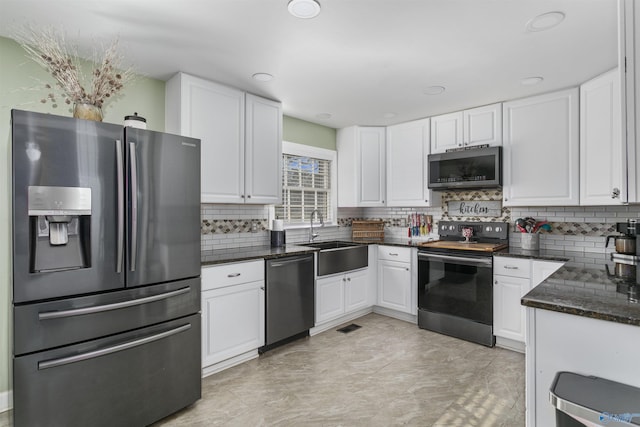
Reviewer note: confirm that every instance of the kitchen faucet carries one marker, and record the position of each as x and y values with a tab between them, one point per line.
313	235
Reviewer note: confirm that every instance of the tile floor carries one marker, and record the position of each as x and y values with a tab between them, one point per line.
387	373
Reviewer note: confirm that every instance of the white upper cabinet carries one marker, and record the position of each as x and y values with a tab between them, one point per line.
446	132
483	125
541	150
241	141
603	171
629	27
263	151
407	165
476	126
361	166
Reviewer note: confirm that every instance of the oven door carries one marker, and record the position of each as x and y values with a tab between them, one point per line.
454	285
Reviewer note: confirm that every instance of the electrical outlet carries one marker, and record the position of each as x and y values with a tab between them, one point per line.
254	227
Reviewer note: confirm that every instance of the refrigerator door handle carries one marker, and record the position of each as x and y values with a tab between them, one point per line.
134	205
48	315
109	350
120	237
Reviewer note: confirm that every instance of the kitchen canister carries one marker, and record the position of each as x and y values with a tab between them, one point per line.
135	121
530	241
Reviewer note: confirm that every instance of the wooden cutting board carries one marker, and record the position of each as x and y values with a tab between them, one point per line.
480	247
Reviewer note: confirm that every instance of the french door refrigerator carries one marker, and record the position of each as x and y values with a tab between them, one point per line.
106	272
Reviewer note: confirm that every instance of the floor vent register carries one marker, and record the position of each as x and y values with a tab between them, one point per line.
349	328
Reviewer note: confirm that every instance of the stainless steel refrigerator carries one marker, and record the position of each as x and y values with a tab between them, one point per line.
106	272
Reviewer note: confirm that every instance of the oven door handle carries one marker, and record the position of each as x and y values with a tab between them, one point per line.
479	262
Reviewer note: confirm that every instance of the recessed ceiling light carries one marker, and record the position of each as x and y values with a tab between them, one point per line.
323	116
530	81
545	21
304	9
434	90
389	115
262	77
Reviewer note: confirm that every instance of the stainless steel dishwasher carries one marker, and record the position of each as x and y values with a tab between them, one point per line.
290	298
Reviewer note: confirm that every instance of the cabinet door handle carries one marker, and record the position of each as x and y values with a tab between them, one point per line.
233	275
392	254
615	194
510	267
407	269
262	288
249	196
348	279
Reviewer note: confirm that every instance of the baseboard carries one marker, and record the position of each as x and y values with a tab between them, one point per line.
6	400
226	364
339	321
411	318
510	344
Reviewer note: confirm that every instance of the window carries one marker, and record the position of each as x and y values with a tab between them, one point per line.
308	183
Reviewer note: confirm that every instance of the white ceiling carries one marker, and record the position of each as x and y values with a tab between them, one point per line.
359	59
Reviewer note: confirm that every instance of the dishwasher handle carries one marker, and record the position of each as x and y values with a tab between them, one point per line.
289	260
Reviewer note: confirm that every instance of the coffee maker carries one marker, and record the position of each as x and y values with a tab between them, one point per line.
627	256
625	242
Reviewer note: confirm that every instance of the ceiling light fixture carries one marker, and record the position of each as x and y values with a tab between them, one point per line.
304	9
262	77
545	21
434	90
530	81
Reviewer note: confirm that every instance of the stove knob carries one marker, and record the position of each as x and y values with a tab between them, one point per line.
488	229
498	229
452	227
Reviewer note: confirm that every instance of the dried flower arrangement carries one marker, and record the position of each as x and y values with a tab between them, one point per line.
47	48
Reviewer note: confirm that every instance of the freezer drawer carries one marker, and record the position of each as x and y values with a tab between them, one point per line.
56	323
131	379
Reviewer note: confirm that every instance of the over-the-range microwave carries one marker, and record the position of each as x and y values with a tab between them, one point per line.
468	168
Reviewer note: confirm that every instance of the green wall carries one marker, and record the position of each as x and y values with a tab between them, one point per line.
19	76
302	132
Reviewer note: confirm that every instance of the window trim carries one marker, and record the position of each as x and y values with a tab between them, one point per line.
296	149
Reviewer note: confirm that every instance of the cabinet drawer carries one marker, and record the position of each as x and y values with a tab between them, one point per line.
513	267
232	274
394	253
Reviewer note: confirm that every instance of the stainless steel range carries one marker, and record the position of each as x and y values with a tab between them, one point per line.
455	286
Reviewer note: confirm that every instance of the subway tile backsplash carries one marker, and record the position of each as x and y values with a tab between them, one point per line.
579	228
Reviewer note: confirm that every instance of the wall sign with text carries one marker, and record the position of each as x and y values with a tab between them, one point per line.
491	208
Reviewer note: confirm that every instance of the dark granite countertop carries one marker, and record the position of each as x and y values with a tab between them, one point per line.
221	256
586	286
542	254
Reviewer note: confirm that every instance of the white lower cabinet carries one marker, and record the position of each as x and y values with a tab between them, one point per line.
512	279
508	314
329	298
357	292
341	294
232	311
395	283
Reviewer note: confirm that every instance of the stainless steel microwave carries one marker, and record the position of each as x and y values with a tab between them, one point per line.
469	168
